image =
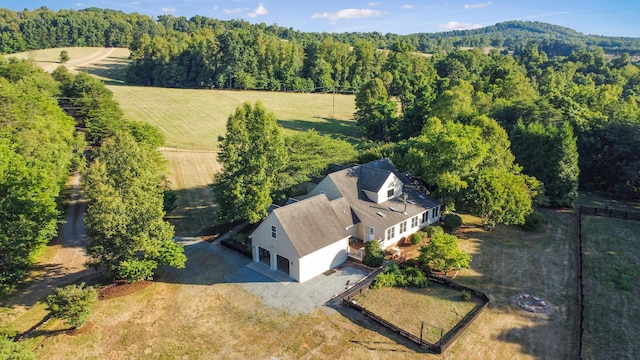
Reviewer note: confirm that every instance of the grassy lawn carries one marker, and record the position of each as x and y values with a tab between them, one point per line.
611	293
190	173
438	306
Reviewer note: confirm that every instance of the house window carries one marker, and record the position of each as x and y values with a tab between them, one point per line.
425	216
414	222
273	231
391	232
403	227
390	192
435	211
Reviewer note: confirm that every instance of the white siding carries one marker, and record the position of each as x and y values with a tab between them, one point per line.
397	189
281	245
322	260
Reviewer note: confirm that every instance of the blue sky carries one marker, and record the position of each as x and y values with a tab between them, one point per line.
611	18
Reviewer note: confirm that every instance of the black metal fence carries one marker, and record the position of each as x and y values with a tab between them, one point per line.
618	214
348	298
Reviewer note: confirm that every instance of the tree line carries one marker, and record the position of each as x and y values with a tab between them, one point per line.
468	122
124	182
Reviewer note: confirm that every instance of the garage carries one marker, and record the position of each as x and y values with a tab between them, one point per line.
283	265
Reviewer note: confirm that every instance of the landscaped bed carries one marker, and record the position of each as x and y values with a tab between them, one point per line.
439	307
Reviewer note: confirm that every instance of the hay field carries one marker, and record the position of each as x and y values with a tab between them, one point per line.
193	119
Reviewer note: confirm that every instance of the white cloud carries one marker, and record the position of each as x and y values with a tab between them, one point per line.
260	10
373	4
168	10
79	4
406	7
478	6
348	14
454	25
235	11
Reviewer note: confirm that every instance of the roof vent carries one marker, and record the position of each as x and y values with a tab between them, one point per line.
411	202
380	214
392	208
421	196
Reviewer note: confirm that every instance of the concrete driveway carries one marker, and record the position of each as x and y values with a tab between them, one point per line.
279	291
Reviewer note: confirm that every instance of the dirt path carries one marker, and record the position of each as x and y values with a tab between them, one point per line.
93	58
62	262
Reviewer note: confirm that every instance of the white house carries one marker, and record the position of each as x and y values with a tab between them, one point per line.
373	201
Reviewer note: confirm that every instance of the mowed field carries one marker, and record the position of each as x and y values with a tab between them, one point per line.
195	313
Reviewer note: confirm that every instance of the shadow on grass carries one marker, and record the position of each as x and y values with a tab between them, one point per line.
112	70
397	343
342	129
537	340
195	213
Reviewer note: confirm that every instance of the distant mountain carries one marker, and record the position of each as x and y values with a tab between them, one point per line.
514	35
44	28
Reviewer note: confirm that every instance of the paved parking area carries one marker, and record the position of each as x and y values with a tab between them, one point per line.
281	292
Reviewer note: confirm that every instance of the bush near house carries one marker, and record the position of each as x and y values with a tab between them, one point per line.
393	275
416	238
373	254
452	222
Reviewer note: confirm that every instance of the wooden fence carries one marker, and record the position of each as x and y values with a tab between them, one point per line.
447	339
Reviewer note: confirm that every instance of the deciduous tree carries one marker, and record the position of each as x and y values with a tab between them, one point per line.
125	215
252	154
443	254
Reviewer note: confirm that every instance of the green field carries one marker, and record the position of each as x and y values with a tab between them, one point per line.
193	119
611	292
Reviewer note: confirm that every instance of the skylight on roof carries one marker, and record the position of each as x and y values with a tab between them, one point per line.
380	214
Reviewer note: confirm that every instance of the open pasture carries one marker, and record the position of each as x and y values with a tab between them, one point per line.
193	119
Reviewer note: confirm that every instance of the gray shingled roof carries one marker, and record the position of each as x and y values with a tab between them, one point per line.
348	181
311	224
372	178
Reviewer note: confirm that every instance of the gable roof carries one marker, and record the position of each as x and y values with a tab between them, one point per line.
372	178
311	224
391	212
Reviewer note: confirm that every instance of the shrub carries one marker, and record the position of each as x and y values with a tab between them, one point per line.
384	280
240	237
136	270
433	229
452	222
373	254
416	238
465	295
394	276
533	221
72	303
416	278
